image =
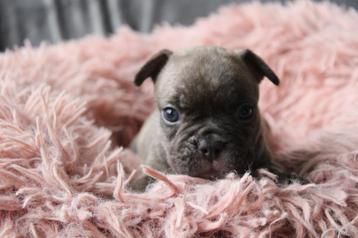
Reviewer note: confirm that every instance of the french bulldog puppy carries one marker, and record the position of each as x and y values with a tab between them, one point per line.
207	122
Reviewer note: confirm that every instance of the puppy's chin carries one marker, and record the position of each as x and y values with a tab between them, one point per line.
191	164
216	169
194	164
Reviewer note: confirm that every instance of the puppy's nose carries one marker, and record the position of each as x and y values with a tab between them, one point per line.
211	146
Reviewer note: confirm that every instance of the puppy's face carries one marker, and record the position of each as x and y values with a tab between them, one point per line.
210	123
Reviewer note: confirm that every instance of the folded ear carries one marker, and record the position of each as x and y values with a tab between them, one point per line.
152	67
257	66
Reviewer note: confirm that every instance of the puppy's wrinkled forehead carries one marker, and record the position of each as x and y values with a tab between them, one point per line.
205	75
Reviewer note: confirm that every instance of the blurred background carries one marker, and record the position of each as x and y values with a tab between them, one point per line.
57	20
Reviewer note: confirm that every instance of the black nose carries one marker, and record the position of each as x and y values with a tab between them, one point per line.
211	146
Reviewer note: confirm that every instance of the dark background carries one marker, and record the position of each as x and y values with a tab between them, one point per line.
58	20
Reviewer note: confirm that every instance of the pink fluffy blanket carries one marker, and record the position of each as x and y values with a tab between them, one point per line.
65	110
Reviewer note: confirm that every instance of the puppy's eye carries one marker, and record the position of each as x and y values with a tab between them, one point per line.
170	114
246	111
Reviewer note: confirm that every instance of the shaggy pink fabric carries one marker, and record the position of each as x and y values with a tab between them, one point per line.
64	110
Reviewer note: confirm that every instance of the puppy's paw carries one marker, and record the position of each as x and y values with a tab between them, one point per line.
289	178
284	177
140	184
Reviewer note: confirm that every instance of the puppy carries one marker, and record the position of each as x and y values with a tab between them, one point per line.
207	122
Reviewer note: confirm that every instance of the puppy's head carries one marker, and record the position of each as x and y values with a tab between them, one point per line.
207	98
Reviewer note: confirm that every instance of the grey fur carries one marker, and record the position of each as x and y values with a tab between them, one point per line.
207	84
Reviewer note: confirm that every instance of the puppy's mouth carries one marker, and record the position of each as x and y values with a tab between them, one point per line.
215	170
209	174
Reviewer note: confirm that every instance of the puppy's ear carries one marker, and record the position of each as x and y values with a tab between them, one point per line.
152	67
257	66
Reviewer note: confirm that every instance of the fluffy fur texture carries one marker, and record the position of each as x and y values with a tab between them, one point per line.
61	173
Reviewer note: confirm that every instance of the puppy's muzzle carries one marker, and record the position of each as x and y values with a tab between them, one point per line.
211	146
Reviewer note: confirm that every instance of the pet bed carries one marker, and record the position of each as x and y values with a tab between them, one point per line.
69	111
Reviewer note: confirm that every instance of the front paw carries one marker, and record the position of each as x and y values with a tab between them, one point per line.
289	178
284	177
140	184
